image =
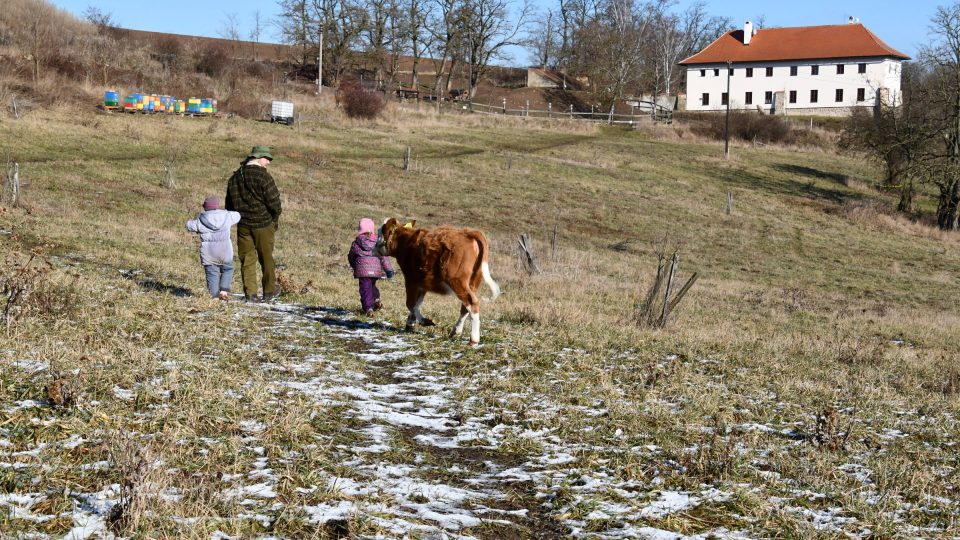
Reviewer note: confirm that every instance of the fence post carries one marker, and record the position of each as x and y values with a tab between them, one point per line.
504	105
16	114
13	182
527	113
550	110
406	159
571	111
591	112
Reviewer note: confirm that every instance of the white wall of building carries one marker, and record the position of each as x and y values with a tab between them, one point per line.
711	79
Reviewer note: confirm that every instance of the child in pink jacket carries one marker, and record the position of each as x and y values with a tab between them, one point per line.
367	267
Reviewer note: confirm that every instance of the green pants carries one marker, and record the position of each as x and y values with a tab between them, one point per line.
256	245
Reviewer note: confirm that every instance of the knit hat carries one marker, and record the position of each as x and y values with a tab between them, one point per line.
211	203
260	151
366	226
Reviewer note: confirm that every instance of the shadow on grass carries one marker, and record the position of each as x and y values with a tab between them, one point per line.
800	181
336	317
154	285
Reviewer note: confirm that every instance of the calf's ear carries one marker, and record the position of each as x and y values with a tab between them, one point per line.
410	224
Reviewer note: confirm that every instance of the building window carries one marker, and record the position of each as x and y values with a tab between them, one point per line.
793	96
723	98
813	96
705	99
730	72
748	98
769	72
768	97
839	95
703	73
861	94
814	70
861	68
749	72
839	69
793	71
716	72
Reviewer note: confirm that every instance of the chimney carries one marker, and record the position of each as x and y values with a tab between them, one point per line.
747	32
853	20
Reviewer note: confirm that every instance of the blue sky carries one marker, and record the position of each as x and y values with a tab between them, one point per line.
903	26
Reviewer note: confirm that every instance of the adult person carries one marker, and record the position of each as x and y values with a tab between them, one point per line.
252	192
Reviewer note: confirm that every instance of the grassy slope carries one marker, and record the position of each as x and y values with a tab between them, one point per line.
802	295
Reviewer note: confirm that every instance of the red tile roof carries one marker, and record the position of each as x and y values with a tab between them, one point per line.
797	43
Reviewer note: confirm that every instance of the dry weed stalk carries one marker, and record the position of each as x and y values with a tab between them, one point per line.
828	432
132	460
289	284
64	392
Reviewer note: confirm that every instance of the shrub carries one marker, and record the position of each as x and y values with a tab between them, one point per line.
213	61
752	127
360	103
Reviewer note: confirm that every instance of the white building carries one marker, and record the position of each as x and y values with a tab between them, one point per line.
824	70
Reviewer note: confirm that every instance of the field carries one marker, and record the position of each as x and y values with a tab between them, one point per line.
807	386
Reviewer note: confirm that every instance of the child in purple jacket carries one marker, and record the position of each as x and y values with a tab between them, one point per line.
367	267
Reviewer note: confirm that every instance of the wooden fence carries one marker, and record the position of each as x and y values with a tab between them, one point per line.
646	112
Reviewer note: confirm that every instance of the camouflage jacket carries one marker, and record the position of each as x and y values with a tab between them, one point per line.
252	192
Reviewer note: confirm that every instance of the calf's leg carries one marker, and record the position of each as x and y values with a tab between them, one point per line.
458	328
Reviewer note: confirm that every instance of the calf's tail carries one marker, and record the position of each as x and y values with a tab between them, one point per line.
485	267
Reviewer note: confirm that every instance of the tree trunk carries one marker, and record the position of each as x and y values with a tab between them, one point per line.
947	208
906	197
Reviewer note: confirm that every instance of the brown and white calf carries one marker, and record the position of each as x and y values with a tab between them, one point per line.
442	260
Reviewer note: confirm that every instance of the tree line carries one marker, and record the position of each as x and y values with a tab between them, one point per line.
615	47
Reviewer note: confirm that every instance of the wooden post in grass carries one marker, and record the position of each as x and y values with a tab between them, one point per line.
527	249
13	183
683	291
729	202
674	261
646	316
504	105
553	242
16	113
571	111
169	181
406	159
550	110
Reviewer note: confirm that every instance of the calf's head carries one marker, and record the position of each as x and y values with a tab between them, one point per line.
387	239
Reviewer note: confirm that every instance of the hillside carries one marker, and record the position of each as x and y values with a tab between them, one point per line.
807	386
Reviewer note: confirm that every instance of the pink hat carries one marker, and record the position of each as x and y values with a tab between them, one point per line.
366	226
211	203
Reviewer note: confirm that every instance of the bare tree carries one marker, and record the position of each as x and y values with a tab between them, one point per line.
445	26
41	33
378	35
341	22
678	35
296	27
942	56
489	27
415	36
255	31
230	30
545	40
899	138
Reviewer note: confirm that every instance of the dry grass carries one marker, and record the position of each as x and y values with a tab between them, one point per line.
818	315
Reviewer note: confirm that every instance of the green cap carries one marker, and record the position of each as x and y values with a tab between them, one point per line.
261	151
